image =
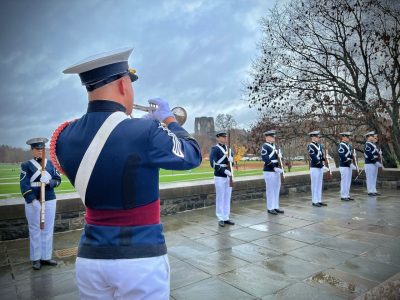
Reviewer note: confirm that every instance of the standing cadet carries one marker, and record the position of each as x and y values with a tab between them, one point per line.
372	164
317	168
40	240
113	161
346	165
272	172
220	156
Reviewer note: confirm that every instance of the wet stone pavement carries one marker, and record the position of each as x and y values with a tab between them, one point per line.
334	252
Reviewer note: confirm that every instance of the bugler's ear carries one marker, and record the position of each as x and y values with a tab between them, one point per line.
122	86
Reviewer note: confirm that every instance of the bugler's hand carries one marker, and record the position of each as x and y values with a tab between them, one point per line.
230	159
162	112
378	164
278	170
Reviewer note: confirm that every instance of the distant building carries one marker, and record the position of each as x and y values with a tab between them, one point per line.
204	126
204	131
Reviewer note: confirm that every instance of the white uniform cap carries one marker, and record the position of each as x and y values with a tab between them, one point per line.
100	69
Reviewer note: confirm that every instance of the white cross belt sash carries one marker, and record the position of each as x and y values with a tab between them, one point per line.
38	171
264	151
93	151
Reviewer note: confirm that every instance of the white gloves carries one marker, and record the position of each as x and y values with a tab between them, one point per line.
278	170
325	169
378	164
228	173
353	167
230	159
45	178
162	112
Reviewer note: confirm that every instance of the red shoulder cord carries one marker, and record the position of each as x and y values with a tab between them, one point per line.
53	142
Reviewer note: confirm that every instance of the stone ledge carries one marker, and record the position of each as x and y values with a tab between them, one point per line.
389	289
175	197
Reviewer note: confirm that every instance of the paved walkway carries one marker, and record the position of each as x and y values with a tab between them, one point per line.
334	252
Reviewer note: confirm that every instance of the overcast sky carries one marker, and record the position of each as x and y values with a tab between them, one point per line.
193	53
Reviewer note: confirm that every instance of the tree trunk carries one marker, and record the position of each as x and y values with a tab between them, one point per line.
388	160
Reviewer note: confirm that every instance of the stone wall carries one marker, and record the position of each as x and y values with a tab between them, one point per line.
175	198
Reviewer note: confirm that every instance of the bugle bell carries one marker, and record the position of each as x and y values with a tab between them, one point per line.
179	113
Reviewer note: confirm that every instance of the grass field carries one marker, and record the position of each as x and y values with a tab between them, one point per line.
9	176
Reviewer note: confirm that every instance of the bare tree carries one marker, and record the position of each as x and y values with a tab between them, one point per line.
335	63
225	122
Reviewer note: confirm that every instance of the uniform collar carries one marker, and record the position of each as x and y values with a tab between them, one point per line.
104	105
222	145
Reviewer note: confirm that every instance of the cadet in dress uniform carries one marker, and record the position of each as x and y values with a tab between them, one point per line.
40	240
272	172
220	156
317	168
346	165
372	164
113	161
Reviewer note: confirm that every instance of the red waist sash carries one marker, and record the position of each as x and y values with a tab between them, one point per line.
143	215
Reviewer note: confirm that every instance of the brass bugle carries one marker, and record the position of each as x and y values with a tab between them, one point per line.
145	108
179	113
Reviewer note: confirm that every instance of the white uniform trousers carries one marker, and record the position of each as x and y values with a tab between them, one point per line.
371	172
272	188
317	176
345	181
223	198
138	278
40	240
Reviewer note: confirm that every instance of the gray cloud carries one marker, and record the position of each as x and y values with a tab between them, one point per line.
193	53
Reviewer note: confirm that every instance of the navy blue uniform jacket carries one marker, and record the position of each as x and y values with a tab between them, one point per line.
31	189
316	156
215	155
371	153
345	151
122	196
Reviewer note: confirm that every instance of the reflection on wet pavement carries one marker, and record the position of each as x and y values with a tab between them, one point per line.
335	252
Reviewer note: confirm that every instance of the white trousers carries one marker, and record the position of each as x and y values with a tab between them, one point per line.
317	176
345	182
272	188
139	279
371	172
223	198
40	240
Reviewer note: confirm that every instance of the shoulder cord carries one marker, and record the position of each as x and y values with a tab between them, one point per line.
53	143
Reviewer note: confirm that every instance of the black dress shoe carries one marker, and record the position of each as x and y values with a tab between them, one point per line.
36	265
377	194
272	212
49	262
345	199
279	211
350	198
221	223
323	204
371	194
316	204
229	222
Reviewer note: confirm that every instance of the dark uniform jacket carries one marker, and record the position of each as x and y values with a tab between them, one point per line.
316	152
371	153
122	195
30	180
219	160
345	151
269	155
